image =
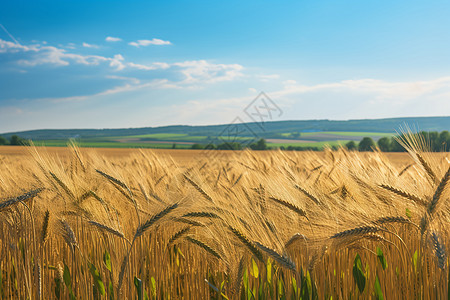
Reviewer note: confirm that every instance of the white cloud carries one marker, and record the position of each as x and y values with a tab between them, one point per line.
113	39
153	66
364	98
130	79
195	73
59	57
201	71
117	62
34	55
149	42
266	78
6	46
382	91
86	45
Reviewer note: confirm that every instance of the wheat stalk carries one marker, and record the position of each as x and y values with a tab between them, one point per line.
404	170
308	194
198	188
63	185
110	178
282	260
439	250
427	168
291	206
24	197
438	193
240	273
68	234
247	242
393	219
45	226
187	221
201	214
177	235
403	194
294	238
204	246
146	225
106	228
356	232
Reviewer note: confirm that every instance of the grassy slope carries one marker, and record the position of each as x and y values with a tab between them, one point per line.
277	127
101	144
166	140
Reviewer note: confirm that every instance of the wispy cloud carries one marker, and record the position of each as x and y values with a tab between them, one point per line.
34	55
193	72
267	78
86	45
144	43
153	66
147	76
203	71
9	34
394	92
113	39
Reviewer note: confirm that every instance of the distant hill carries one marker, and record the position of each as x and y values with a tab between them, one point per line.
268	129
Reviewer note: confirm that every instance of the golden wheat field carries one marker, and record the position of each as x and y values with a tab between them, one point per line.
146	224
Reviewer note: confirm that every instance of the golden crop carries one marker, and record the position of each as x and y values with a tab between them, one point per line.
246	225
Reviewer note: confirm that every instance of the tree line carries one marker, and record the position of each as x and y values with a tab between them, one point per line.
438	142
14	140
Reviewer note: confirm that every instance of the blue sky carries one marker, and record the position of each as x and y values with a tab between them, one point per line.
112	64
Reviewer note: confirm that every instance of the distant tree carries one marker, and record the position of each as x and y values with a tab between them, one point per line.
15	140
384	144
444	140
211	146
259	145
229	146
366	144
197	146
3	141
174	145
295	135
351	146
433	138
395	146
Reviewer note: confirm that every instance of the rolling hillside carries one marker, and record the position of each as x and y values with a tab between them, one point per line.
279	133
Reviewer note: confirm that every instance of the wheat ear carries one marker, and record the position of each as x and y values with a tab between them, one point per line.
204	246
403	194
201	214
282	260
24	197
198	188
45	226
178	234
106	228
438	193
427	168
68	234
146	225
249	244
439	250
291	206
356	231
308	194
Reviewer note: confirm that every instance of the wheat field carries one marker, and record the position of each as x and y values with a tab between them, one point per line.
247	225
